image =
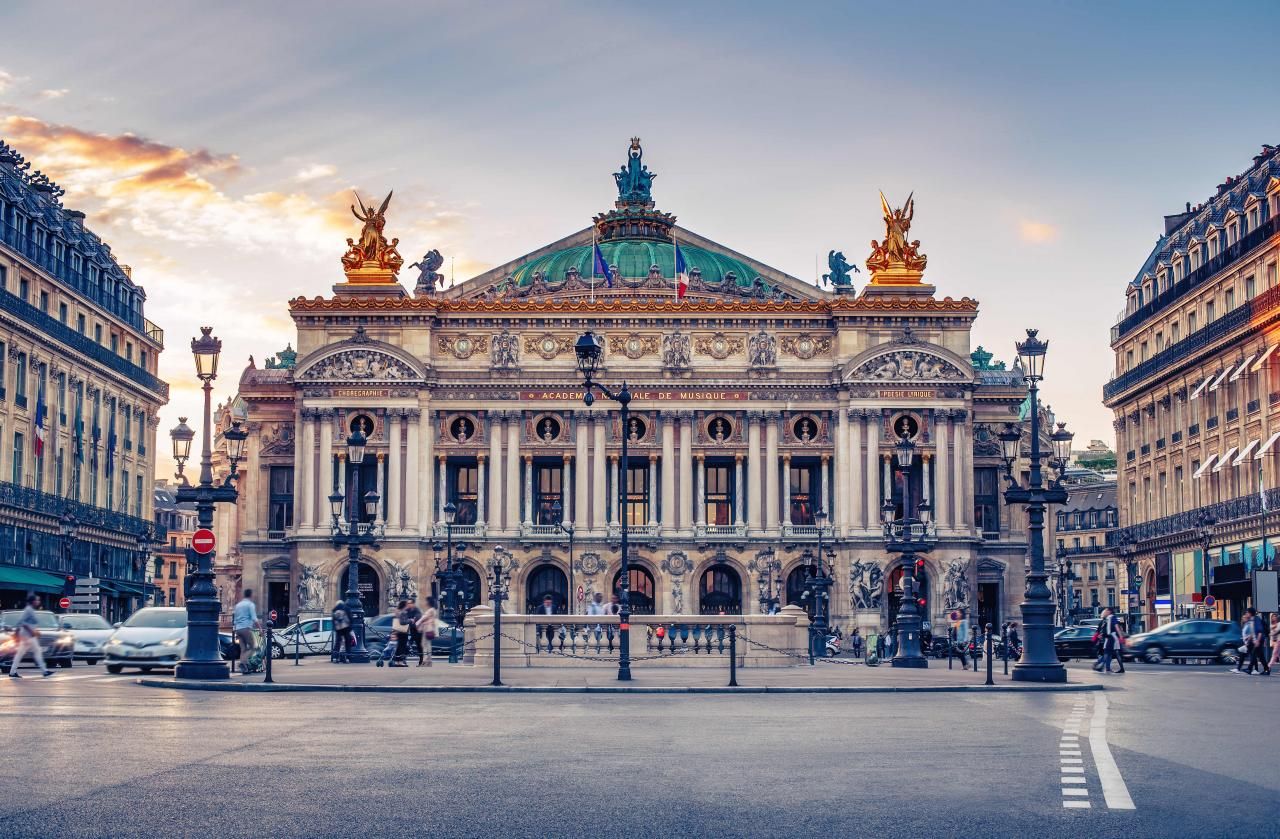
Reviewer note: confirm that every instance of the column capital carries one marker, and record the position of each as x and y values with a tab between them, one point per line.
413	413
653	457
443	458
342	457
480	458
685	416
786	457
926	456
941	414
959	414
528	458
773	414
738	456
755	416
825	458
568	457
382	456
613	458
699	456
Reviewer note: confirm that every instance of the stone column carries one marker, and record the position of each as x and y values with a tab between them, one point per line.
653	490
838	508
856	463
887	486
307	479
494	516
481	472
598	492
443	494
738	490
580	486
786	489
924	483
326	459
412	512
963	502
668	474
755	494
382	488
426	474
686	470
826	503
771	470
393	470
700	500
942	496
342	484
615	469
512	519
873	467
528	490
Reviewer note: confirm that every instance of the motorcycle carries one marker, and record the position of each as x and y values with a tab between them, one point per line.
833	645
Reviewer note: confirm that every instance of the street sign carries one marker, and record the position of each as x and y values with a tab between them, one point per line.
1265	596
1128	591
273	615
1209	601
202	541
64	603
581	593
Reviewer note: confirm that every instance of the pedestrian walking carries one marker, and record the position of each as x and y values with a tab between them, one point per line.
244	619
342	640
412	614
880	645
27	636
1246	632
856	642
1275	640
400	627
1012	642
427	629
1112	640
1255	640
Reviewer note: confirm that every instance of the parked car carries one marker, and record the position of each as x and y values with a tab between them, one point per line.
1194	638
90	633
309	637
152	637
1075	642
377	630
56	644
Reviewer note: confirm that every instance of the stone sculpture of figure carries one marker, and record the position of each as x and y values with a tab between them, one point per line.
840	269
634	180
865	585
400	585
957	593
717	430
311	589
547	434
675	350
762	349
805	433
372	241
506	351
896	251
427	276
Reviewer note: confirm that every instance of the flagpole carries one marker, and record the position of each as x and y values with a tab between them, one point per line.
593	265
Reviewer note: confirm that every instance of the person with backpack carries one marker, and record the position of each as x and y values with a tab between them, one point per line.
1254	633
341	633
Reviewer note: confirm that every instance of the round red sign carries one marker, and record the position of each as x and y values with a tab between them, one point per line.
64	603
202	541
273	615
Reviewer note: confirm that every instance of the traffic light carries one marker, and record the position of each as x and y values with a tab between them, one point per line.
69	585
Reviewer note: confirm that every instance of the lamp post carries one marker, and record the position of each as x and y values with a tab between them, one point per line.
357	534
203	657
770	572
1039	662
67	525
819	577
557	510
589	350
909	536
1206	522
146	540
499	585
1064	580
450	577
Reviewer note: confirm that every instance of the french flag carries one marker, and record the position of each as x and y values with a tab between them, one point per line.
682	274
41	410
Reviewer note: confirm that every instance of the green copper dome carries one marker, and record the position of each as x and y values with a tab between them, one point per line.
633	258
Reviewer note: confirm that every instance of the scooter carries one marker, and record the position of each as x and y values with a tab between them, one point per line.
833	645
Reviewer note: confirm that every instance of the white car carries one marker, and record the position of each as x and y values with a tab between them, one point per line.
90	633
151	637
309	637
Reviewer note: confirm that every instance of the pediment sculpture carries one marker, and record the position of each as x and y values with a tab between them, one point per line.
359	365
908	365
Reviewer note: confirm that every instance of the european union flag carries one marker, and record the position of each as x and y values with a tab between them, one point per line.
599	266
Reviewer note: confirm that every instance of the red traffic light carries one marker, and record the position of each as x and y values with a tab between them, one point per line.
921	602
920	563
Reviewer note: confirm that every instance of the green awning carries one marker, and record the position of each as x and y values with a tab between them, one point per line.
28	579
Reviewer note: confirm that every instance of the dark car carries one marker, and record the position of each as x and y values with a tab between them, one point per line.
1182	639
377	630
1075	642
57	645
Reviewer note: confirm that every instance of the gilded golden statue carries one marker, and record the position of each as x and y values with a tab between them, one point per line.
896	261
372	251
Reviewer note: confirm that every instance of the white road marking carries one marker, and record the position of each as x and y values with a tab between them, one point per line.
1074	791
1073	780
1114	789
1080	805
1069	753
1074	770
1066	760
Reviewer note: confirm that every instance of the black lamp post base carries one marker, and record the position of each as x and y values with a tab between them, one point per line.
358	657
909	661
206	670
1048	673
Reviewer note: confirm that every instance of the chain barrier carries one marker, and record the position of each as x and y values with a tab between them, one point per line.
803	658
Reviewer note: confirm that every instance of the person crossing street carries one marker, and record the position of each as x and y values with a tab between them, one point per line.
28	637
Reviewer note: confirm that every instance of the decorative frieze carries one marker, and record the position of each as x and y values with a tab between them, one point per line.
463	347
633	345
548	346
806	346
719	346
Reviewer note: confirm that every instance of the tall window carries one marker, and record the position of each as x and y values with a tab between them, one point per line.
124	490
638	494
19	457
137	496
280	499
719	494
548	492
802	493
465	480
20	380
57	472
986	499
62	313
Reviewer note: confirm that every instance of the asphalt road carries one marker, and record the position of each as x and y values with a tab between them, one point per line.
90	755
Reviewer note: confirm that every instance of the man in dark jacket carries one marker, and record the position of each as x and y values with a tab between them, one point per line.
412	615
341	633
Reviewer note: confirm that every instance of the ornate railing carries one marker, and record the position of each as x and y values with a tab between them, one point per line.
82	344
55	506
1188	521
1082	550
1228	256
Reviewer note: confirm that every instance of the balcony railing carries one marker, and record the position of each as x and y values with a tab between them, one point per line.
82	344
1211	267
1082	550
55	506
1188	521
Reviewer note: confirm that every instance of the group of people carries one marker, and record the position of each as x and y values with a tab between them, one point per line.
1253	632
1109	641
412	631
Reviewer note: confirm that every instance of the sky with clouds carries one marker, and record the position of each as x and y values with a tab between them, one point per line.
215	146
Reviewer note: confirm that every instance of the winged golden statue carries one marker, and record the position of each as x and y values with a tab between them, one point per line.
372	251
896	254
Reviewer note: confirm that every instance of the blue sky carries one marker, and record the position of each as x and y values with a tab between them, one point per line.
1043	141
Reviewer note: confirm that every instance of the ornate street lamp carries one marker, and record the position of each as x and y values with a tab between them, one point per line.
1206	524
357	534
499	586
769	580
819	577
589	350
557	511
1039	662
203	657
67	525
450	577
908	536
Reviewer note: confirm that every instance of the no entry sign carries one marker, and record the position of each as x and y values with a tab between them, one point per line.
202	541
64	603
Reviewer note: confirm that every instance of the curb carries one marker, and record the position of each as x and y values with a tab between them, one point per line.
279	687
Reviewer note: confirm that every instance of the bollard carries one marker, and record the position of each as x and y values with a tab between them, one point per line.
974	647
1004	633
951	644
497	640
989	653
297	646
733	655
266	651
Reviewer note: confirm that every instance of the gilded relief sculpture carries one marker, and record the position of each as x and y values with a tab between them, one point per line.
373	259
896	260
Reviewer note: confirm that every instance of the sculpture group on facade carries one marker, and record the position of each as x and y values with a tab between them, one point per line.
866	585
428	278
908	365
373	250
311	589
896	251
956	595
634	180
356	365
840	268
505	354
762	349
676	353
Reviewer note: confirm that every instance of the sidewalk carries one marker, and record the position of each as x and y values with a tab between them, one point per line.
318	674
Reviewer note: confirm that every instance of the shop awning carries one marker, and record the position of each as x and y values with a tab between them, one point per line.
1205	466
1266	447
1244	452
1195	394
1226	372
1262	359
1239	371
29	579
1223	461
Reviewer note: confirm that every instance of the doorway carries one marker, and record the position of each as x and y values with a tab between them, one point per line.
989	605
370	590
278	599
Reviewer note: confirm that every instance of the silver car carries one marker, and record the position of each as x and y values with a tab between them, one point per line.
151	637
90	633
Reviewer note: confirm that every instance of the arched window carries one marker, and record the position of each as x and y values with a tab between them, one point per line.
370	590
643	601
720	592
894	591
546	580
798	590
